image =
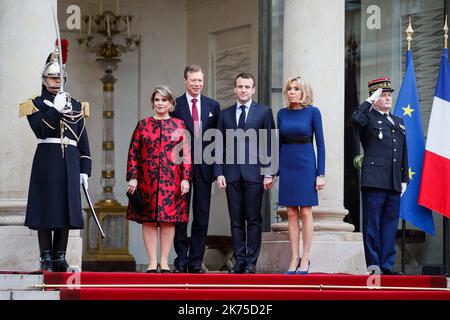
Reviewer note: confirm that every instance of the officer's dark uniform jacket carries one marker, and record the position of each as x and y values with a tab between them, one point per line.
54	199
385	164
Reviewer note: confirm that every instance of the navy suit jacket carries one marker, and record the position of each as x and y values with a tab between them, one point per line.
210	111
385	164
259	117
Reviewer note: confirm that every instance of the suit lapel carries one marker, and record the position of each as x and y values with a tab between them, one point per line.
380	118
388	122
186	114
397	123
205	113
233	116
251	114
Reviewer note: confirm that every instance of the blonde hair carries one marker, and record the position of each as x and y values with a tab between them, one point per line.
166	92
305	88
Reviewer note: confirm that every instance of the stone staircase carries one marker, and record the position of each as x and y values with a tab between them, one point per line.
18	287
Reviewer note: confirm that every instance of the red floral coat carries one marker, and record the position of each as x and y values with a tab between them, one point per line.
159	158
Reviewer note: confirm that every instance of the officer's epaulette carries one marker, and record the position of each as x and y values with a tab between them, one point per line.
26	108
85	109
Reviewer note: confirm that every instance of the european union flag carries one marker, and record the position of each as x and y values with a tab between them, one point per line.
407	107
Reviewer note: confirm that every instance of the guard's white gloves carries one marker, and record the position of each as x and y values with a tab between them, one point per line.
375	96
84	179
404	185
61	103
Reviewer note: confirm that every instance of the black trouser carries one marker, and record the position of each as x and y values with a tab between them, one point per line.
59	243
190	255
244	206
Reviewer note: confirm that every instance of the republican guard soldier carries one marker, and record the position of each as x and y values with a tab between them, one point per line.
61	163
384	174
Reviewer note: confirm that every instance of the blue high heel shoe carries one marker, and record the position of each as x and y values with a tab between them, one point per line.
294	271
298	271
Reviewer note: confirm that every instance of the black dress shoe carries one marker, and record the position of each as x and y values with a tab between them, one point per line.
46	261
59	262
237	268
250	269
179	270
196	270
152	270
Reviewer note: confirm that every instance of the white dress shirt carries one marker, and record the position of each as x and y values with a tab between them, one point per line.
198	104
239	110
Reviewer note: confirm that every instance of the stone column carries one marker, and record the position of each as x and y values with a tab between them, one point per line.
314	47
27	35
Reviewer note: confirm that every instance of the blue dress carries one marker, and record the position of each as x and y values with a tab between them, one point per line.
298	167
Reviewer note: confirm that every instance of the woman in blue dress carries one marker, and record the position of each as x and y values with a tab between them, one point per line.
301	175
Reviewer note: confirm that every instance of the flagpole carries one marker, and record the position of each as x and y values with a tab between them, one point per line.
403	245
445	219
409	32
445	246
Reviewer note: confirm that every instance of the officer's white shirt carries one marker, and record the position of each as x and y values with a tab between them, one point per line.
388	116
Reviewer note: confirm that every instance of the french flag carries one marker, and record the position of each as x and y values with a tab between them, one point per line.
435	186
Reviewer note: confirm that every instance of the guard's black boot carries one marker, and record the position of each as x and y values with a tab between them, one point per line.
46	261
59	262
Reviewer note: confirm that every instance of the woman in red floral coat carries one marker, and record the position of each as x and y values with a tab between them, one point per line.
159	169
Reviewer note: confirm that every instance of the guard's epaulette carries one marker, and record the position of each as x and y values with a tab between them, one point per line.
85	109
26	108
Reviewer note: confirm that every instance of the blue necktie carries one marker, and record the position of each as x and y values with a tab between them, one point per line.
241	123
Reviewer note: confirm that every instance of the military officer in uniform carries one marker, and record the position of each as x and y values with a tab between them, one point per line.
61	163
384	174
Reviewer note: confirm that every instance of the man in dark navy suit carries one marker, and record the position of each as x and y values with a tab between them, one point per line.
199	113
240	172
384	174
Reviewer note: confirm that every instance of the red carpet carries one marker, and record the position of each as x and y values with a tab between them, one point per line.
213	286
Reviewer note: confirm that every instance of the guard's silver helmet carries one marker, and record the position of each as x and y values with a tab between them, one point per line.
52	67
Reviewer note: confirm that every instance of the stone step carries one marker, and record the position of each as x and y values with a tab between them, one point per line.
18	287
20	250
19	282
29	295
5	295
